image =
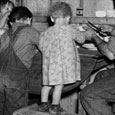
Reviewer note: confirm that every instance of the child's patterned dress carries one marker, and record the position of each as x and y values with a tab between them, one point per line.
61	63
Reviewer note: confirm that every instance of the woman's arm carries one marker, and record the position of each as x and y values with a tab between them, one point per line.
4	19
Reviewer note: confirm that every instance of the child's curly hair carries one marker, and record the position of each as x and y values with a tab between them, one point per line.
60	9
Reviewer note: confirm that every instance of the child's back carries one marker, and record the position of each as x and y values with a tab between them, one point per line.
59	47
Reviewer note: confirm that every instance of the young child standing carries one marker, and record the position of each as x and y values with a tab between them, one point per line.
61	63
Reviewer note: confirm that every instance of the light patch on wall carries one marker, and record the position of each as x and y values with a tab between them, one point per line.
100	13
110	13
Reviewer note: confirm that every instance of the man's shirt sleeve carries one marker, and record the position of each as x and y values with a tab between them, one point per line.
111	45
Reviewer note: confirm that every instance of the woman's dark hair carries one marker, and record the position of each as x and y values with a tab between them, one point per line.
60	9
19	12
3	3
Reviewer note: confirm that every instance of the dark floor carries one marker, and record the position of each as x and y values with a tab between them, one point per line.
34	98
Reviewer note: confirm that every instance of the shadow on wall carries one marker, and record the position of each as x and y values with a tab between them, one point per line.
114	4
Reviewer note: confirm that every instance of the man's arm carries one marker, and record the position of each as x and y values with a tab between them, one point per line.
103	47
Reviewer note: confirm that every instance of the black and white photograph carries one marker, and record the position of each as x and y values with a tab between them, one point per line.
57	57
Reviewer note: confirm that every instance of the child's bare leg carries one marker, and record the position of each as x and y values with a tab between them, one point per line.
45	93
55	108
57	94
44	106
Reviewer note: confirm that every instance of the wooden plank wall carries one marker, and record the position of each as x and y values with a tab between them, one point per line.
82	20
89	6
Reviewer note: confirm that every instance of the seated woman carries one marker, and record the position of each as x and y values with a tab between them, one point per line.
6	7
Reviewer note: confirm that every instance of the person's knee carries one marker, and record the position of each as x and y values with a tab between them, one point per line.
88	91
84	92
100	75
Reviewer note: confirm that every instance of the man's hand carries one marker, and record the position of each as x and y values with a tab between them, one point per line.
89	34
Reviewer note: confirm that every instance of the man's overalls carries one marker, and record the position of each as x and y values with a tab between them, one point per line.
14	79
